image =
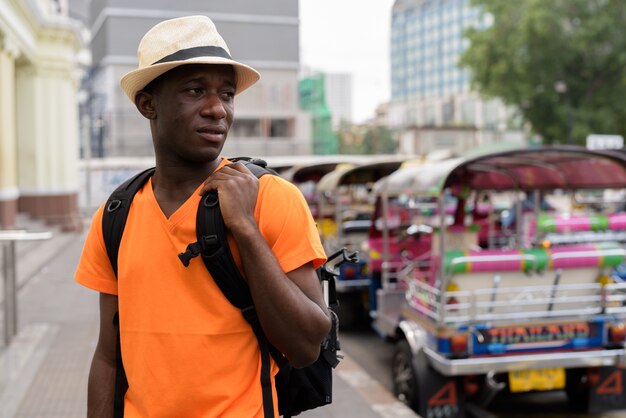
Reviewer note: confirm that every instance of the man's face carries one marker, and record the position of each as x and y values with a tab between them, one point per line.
194	109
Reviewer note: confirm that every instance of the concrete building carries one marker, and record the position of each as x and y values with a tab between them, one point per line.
264	35
432	105
39	132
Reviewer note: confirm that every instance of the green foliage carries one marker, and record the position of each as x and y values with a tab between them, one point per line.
562	63
346	145
370	140
378	140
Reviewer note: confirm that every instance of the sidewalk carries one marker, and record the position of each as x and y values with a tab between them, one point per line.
43	373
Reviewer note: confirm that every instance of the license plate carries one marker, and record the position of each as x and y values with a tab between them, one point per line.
541	379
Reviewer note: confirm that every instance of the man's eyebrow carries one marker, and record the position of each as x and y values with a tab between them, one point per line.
193	80
230	83
200	79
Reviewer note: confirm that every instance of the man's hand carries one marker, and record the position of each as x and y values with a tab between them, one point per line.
237	188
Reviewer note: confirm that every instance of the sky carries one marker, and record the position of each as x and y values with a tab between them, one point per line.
349	36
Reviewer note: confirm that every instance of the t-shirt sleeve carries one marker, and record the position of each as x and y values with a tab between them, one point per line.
287	224
94	269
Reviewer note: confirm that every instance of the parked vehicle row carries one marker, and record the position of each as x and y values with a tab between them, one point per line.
494	272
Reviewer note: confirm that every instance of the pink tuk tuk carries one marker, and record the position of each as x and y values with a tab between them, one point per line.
476	304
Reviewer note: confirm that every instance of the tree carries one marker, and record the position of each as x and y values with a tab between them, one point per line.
561	63
366	139
378	140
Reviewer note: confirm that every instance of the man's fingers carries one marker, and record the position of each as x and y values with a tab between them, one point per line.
226	174
241	168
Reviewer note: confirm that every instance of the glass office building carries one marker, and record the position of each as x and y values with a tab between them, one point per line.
428	88
426	41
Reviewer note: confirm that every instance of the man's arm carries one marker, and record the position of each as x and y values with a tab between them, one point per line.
101	387
290	307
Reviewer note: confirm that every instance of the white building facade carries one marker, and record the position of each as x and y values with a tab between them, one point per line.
264	35
338	93
39	133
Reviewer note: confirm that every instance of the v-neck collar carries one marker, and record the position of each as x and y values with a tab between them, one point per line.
189	207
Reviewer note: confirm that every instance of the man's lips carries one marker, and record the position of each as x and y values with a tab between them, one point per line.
212	132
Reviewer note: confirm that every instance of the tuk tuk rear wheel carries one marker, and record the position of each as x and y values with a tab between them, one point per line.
404	375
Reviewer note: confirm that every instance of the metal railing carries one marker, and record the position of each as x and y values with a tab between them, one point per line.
519	303
9	238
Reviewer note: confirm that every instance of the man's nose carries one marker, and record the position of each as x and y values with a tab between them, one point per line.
213	107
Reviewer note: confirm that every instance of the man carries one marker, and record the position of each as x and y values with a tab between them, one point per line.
187	352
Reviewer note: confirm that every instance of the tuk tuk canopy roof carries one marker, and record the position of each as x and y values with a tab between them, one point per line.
537	168
358	174
302	173
285	162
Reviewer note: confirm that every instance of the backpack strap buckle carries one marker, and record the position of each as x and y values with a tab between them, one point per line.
210	199
114	205
193	250
196	248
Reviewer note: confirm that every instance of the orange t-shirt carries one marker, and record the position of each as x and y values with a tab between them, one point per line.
187	351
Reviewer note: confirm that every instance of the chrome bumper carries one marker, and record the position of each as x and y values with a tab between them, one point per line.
482	365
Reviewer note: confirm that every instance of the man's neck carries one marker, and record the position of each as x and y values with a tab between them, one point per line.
173	184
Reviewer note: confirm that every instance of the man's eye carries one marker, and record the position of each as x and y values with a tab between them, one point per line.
195	90
228	95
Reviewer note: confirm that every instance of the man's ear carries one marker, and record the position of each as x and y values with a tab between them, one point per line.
145	104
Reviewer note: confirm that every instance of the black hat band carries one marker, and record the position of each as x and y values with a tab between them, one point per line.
197	51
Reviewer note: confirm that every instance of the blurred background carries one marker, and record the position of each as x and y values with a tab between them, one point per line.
407	77
404	79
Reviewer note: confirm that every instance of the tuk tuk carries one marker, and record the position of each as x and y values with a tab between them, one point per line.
344	214
306	177
530	307
286	166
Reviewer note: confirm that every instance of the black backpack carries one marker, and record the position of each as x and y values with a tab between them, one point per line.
298	389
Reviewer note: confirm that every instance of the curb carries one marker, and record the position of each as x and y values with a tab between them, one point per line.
373	393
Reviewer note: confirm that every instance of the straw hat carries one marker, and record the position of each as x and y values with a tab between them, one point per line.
185	40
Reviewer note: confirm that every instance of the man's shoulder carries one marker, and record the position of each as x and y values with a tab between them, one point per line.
276	185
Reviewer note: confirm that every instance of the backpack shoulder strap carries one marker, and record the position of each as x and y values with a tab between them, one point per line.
212	244
113	222
211	234
257	166
116	212
218	259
